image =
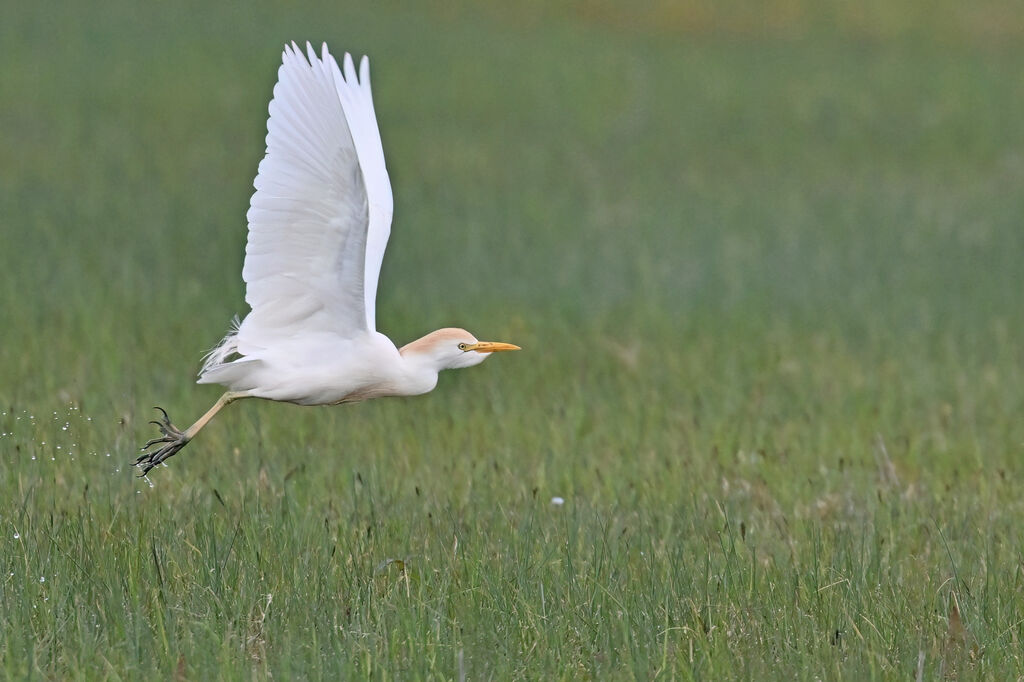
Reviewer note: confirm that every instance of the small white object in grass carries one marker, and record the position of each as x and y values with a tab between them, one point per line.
17	535
557	501
42	578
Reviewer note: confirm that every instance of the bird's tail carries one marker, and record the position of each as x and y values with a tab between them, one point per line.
221	354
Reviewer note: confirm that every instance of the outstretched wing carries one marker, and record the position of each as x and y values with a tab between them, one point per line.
321	215
357	101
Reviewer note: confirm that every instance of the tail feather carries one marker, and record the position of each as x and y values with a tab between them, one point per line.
220	354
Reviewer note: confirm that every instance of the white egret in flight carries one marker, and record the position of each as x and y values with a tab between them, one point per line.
318	225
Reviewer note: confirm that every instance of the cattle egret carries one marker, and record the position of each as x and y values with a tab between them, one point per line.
318	225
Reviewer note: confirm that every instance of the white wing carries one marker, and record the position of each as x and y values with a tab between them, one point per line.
357	101
321	215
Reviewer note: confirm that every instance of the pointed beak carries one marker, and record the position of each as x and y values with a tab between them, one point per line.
491	346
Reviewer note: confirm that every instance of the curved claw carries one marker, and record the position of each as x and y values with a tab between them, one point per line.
154	441
150	459
174	438
166	429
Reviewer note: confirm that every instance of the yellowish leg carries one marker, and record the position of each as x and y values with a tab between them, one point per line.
174	438
223	401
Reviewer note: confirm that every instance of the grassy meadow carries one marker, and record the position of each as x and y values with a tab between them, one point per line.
766	268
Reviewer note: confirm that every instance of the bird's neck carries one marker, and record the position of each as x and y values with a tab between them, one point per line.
419	372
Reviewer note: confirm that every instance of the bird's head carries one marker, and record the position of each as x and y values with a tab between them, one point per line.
453	348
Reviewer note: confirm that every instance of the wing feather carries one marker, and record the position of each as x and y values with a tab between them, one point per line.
321	214
357	101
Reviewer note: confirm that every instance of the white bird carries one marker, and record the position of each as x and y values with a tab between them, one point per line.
319	223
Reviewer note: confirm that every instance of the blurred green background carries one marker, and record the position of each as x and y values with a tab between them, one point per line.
765	263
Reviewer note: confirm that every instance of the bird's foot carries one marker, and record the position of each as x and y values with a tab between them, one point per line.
174	438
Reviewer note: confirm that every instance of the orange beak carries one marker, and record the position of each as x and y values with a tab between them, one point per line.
491	346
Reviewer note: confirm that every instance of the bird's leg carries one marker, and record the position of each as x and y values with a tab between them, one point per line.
174	437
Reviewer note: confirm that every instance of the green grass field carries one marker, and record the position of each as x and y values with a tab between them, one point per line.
766	268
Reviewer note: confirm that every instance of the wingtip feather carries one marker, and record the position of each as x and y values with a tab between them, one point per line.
364	71
350	69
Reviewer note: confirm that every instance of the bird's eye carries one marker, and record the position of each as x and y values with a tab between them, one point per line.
463	346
